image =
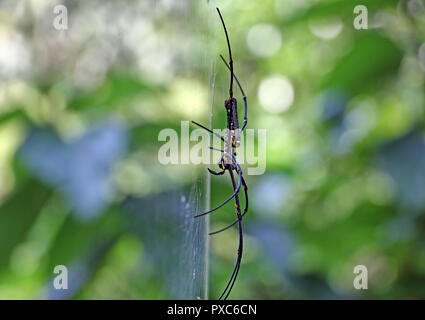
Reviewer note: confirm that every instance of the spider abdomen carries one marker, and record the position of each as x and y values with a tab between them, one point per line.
232	114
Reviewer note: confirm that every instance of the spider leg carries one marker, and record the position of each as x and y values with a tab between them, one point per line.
236	191
220	164
220	150
210	131
230	54
222	156
212	148
216	173
244	211
245	118
235	273
234	278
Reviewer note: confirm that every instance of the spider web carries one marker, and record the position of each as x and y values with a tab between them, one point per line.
175	242
189	279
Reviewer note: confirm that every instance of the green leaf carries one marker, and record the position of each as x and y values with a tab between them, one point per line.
18	214
116	89
78	237
372	59
341	9
13	114
82	247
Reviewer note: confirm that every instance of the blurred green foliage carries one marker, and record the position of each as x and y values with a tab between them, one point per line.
345	159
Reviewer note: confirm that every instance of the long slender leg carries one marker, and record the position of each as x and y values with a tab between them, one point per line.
216	134
230	55
243	214
230	282
245	118
236	191
240	250
216	173
210	131
234	275
220	150
220	164
224	202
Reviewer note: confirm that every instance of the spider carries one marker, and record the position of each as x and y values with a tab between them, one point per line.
228	162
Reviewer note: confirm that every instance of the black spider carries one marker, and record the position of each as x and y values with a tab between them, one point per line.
228	162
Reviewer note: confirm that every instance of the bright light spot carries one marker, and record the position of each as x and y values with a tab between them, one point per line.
14	56
187	97
264	40
326	30
276	94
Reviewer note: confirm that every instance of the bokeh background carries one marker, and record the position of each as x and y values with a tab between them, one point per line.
80	182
